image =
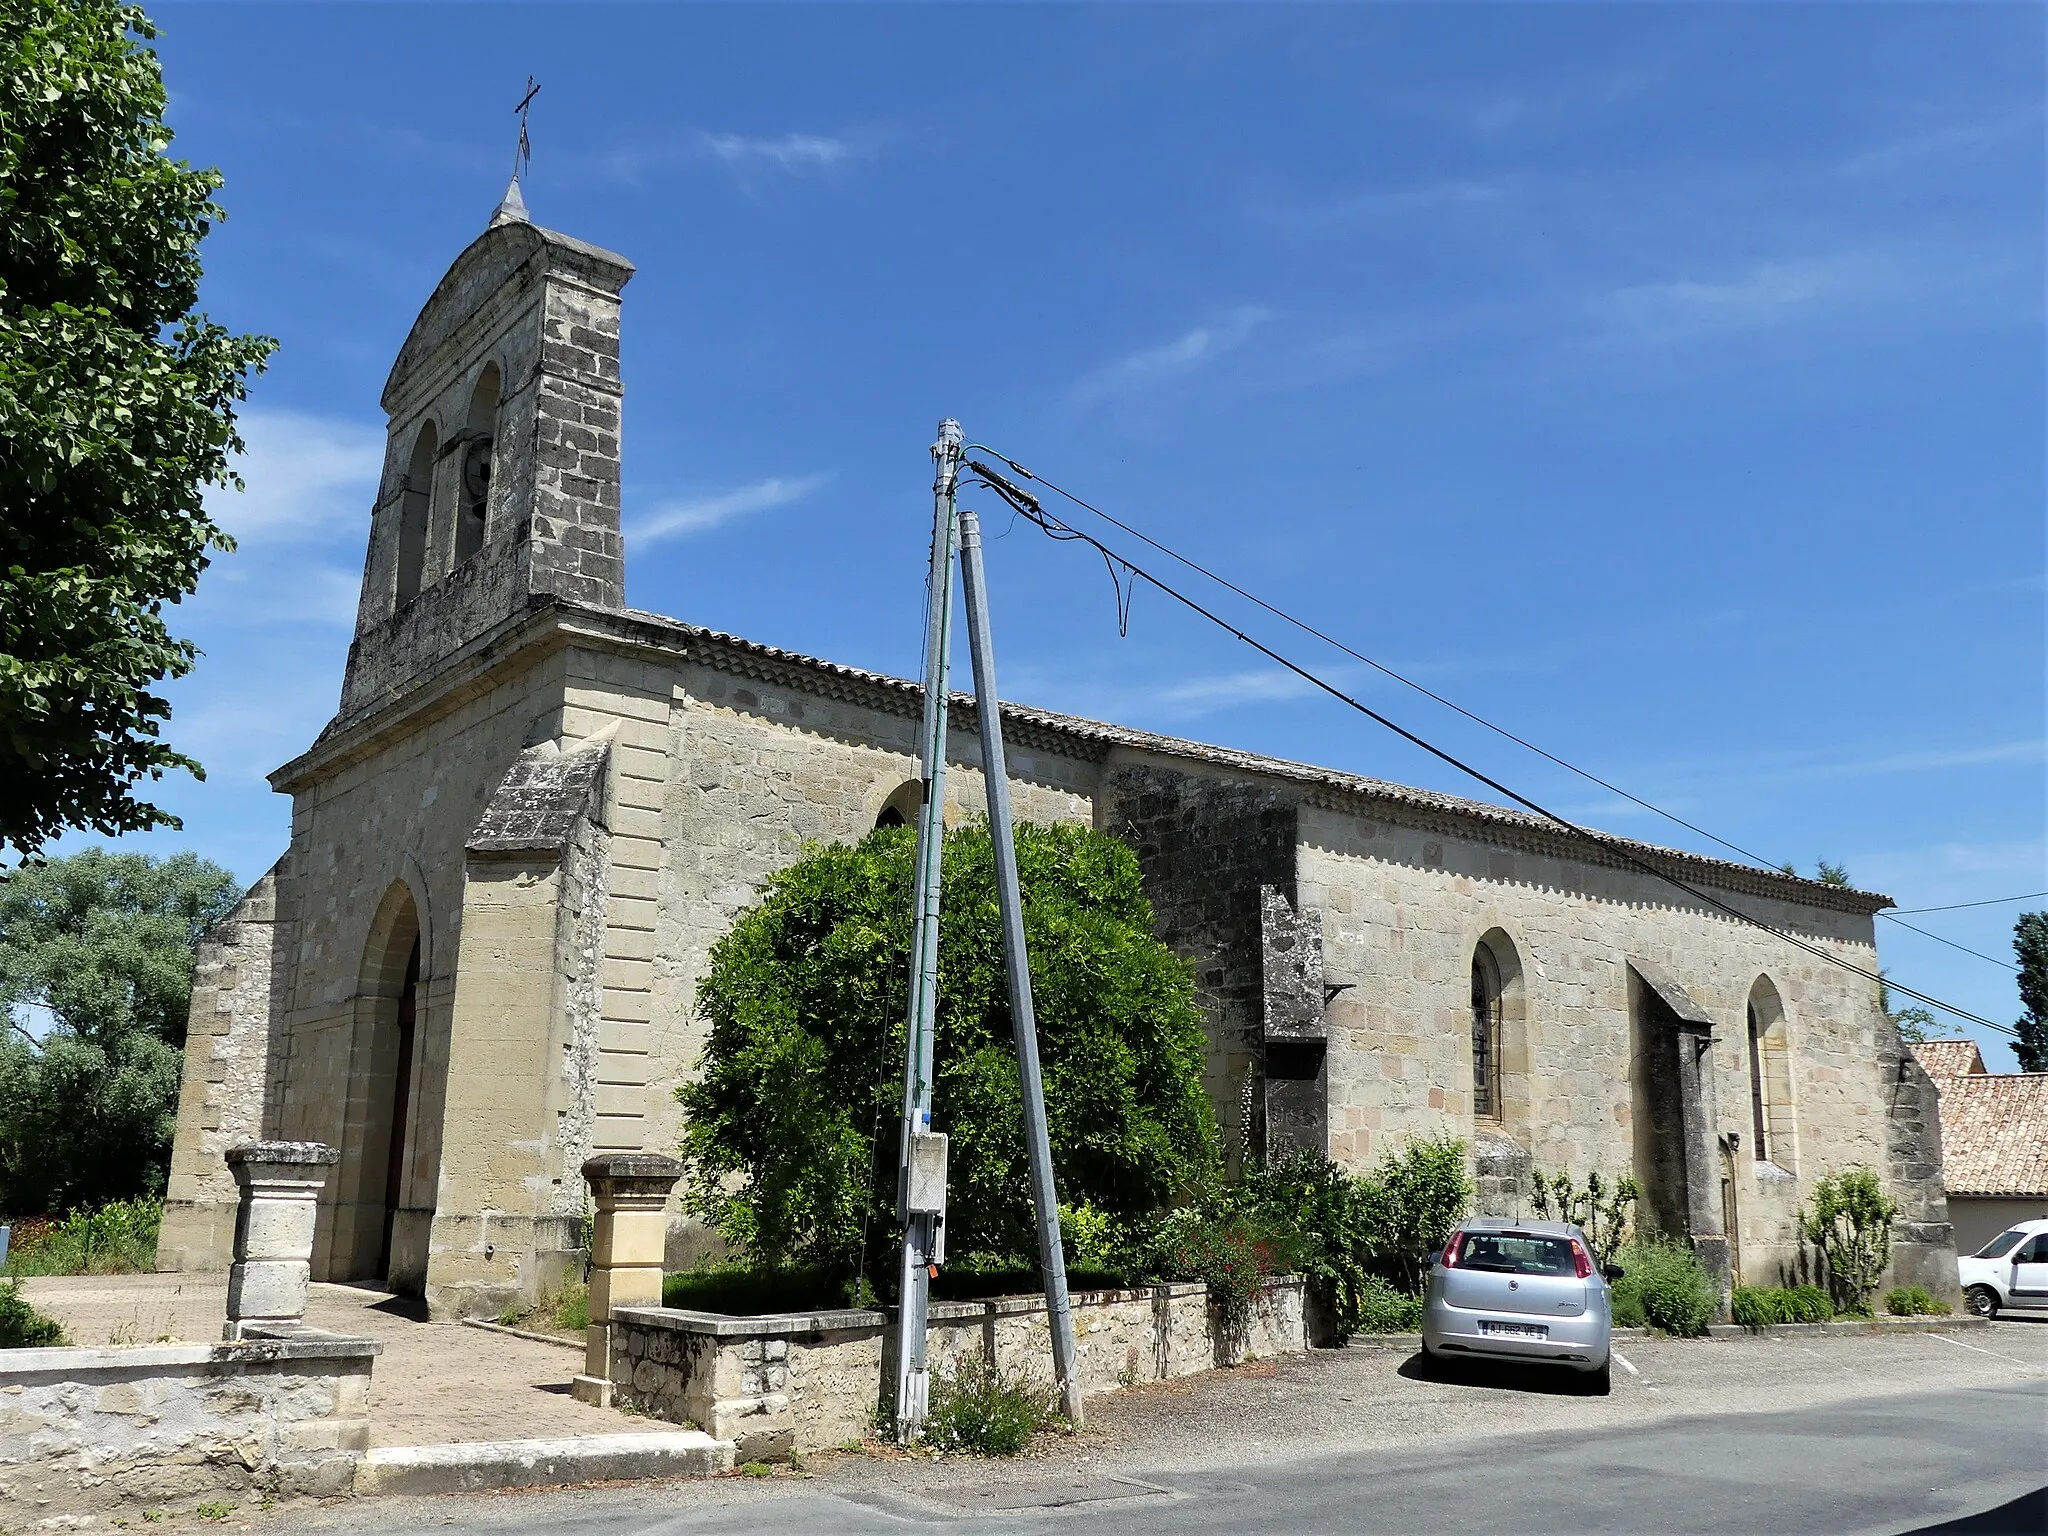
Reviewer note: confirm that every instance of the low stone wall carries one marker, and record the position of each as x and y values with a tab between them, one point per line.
806	1381
92	1430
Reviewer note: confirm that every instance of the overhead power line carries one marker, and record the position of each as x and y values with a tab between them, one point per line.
1951	943
1029	507
1957	906
1378	666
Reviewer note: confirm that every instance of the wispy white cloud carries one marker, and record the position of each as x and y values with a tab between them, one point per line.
1768	293
1151	367
675	519
786	152
1227	690
746	156
307	477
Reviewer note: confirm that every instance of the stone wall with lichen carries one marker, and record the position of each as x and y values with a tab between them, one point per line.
93	1433
778	1386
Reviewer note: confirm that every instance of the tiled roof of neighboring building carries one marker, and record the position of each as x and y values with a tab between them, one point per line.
1945	1059
1994	1129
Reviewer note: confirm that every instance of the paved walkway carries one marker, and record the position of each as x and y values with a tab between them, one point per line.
435	1383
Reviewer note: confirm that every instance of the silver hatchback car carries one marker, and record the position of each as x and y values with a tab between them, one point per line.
1526	1291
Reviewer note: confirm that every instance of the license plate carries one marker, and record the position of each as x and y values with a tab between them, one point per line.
1516	1330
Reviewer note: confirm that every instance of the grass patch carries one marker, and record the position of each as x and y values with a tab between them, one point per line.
1913	1301
564	1311
1765	1306
979	1410
22	1326
1664	1286
116	1239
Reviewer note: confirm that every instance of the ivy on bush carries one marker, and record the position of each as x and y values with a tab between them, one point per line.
792	1129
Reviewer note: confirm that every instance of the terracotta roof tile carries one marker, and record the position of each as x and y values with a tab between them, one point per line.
1994	1133
1944	1059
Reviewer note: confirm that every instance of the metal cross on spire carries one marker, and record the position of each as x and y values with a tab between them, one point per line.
523	156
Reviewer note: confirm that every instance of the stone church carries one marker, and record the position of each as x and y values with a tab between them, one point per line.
535	809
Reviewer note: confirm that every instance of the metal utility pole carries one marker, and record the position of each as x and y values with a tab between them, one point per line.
918	1204
1037	1144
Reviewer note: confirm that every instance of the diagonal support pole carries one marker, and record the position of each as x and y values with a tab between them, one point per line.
995	773
921	1227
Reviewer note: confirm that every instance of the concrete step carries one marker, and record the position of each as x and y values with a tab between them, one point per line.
475	1465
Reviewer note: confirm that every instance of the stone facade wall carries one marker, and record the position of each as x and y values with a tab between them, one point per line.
1407	898
390	824
239	985
1208	846
86	1432
776	1385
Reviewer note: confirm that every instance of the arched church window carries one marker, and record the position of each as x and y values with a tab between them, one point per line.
415	501
1487	1013
473	500
902	806
1770	1076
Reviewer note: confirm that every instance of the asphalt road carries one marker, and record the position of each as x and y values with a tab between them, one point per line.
1844	1436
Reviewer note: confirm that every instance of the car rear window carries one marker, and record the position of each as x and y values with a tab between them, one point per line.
1518	1253
2002	1244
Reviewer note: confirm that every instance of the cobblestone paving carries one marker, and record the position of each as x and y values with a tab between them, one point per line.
435	1383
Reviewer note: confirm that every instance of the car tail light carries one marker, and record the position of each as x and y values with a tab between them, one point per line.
1452	1249
1581	1260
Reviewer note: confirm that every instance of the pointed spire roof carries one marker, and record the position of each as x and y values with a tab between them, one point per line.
511	208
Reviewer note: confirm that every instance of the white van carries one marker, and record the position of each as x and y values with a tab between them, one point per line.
2009	1272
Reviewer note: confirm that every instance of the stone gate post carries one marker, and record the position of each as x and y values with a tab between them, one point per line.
628	1236
280	1185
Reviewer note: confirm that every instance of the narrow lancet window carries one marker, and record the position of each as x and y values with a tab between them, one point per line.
1486	1033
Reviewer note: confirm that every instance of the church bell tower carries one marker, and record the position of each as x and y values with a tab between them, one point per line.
500	491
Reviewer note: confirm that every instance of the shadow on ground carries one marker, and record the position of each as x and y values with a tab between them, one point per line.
1542	1380
2026	1515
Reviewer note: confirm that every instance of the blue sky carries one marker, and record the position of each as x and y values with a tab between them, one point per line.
1664	382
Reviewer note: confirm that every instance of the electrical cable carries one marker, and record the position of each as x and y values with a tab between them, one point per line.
1409	682
1951	943
1033	511
1995	901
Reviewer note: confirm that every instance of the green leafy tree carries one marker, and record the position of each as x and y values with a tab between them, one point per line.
96	955
792	1128
1831	874
2030	945
116	412
1913	1024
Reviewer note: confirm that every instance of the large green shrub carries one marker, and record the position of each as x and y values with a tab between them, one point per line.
1850	1220
1664	1286
792	1129
1358	1238
22	1326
